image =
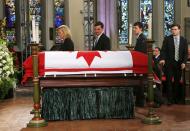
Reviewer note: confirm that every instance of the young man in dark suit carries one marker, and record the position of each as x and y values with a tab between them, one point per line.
174	58
141	47
101	42
141	38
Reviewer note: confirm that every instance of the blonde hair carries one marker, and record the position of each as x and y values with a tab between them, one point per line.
66	31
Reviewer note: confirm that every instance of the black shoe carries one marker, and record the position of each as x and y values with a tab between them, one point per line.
169	103
139	103
156	105
181	102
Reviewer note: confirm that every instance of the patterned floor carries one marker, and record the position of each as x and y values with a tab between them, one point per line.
15	114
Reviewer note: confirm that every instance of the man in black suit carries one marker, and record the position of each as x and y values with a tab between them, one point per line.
156	58
141	38
102	42
158	99
174	57
141	47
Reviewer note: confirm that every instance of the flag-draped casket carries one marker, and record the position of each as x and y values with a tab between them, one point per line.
98	80
88	62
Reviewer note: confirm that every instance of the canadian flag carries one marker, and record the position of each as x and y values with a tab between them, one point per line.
87	62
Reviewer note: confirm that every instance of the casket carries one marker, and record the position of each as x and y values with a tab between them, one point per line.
59	63
88	84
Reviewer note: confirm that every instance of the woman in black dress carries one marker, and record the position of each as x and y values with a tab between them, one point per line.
66	43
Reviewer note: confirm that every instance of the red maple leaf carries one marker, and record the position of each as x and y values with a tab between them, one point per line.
88	56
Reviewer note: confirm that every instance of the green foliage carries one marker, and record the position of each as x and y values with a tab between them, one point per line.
6	70
5	86
2	42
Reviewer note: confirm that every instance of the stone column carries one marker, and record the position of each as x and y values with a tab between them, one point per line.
47	23
2	8
158	23
113	26
74	19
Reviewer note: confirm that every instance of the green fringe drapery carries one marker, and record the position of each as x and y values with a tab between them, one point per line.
87	103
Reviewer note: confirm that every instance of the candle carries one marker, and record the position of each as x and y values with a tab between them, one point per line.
33	29
37	32
150	26
130	34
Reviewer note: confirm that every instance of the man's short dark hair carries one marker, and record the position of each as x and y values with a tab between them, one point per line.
177	25
139	24
157	48
99	23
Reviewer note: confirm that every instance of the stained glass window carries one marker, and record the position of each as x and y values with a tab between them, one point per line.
168	16
59	15
123	21
10	21
89	15
35	10
145	9
59	12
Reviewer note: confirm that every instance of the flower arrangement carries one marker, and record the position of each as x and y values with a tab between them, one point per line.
6	70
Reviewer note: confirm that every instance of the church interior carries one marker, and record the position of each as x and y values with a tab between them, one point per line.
46	85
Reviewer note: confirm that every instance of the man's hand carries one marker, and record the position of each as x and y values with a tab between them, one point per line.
182	66
162	62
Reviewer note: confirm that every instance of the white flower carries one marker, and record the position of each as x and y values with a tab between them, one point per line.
12	71
5	67
3	61
8	73
6	62
6	54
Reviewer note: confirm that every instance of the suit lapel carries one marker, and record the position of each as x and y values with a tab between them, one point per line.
139	39
98	43
172	41
180	45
